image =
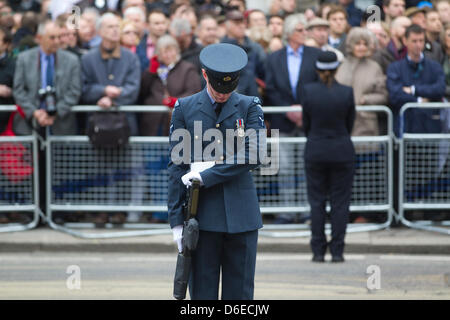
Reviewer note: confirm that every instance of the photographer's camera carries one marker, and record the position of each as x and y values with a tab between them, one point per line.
48	96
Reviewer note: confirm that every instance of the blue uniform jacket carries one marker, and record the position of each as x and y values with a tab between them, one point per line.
228	200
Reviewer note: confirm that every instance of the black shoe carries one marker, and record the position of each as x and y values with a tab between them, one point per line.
337	259
318	258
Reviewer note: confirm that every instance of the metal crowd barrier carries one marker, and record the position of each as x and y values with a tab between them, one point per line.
134	179
424	168
19	181
81	178
372	186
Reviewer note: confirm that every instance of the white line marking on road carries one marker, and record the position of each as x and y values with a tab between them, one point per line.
172	258
148	259
35	259
307	257
152	258
259	257
415	257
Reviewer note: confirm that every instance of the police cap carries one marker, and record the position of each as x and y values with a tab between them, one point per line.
327	60
223	63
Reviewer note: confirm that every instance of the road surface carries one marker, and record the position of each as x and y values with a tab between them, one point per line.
46	275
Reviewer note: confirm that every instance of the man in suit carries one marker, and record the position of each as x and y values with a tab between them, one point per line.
287	71
39	68
337	17
228	209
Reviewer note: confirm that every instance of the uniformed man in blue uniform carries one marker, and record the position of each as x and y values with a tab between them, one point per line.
228	212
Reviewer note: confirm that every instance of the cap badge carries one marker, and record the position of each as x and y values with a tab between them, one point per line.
227	78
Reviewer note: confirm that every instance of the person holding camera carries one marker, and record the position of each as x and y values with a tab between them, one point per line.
47	83
42	88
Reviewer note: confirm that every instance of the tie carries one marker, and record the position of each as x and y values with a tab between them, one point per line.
218	108
49	72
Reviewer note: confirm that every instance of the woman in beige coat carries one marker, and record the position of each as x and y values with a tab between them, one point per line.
365	77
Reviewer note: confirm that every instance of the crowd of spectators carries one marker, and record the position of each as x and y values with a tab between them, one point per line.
137	52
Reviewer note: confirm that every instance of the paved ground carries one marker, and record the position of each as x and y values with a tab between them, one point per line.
411	264
54	275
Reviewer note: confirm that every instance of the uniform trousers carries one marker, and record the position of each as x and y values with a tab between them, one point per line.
333	181
235	254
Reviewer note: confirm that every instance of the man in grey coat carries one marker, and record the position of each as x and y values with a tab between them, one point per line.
111	74
39	68
42	67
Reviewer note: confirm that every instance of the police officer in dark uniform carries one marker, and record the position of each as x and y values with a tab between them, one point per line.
228	212
328	118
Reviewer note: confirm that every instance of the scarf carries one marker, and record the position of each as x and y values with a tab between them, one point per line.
398	54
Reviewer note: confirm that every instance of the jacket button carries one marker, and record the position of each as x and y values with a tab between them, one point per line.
217	125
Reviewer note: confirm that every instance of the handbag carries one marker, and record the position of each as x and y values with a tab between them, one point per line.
108	129
15	158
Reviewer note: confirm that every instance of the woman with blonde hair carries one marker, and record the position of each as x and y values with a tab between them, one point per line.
129	35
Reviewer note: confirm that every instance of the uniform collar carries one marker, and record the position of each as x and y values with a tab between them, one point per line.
228	109
209	95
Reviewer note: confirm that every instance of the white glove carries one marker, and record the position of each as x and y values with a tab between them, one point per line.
187	178
178	236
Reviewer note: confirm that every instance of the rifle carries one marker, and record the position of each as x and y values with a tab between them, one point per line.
189	241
